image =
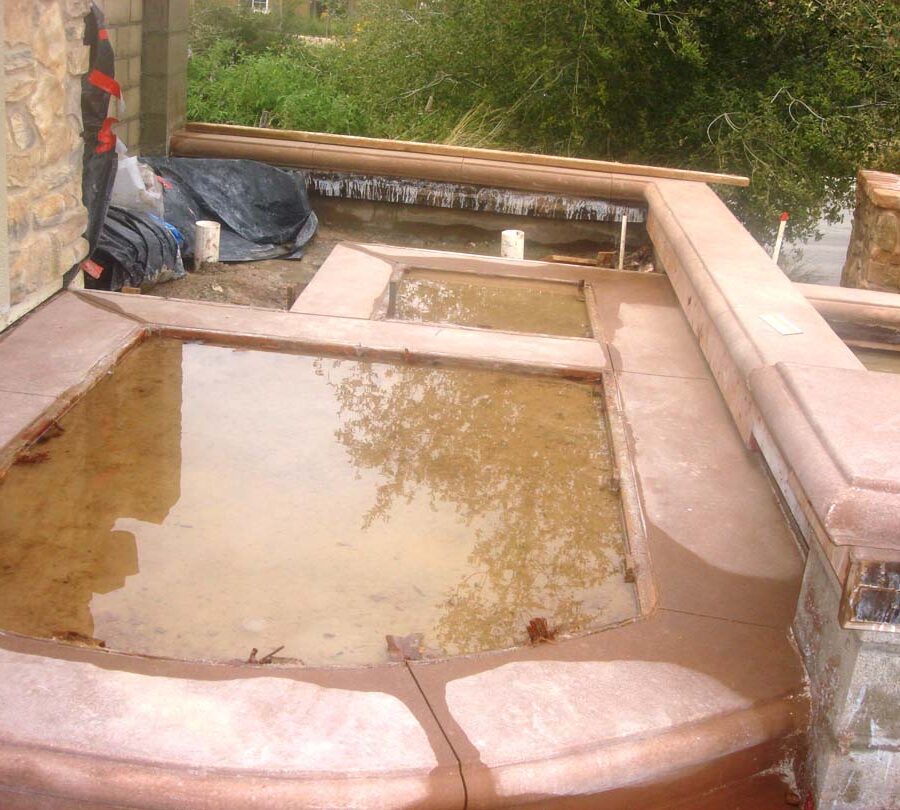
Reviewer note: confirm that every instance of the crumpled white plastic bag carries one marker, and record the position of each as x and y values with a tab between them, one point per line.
136	188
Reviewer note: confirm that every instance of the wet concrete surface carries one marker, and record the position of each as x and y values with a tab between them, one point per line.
486	302
879	359
204	501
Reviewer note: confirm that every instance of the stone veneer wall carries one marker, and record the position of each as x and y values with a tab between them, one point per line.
44	59
873	259
124	22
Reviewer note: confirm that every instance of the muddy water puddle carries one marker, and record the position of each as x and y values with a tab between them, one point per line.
879	359
203	501
490	302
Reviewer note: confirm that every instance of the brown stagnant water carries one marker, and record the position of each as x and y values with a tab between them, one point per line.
879	359
203	501
491	302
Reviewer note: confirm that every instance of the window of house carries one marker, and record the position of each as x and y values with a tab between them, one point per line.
260	5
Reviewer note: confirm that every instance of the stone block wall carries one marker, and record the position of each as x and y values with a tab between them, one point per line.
124	20
873	258
44	59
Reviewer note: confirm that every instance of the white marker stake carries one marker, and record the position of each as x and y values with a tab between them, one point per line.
622	242
776	251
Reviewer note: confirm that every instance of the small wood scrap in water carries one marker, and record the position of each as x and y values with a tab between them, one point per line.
640	259
406	648
268	659
272	658
53	431
32	457
582	261
74	637
630	575
539	632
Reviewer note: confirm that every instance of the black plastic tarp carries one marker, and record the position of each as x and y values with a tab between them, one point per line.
264	211
99	141
136	249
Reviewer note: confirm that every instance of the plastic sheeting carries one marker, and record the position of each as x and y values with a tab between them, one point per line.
264	211
136	249
99	141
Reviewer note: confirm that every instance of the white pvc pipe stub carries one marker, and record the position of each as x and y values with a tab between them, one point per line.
206	242
512	244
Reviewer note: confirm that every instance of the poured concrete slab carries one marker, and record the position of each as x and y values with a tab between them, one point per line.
718	539
643	325
349	283
60	344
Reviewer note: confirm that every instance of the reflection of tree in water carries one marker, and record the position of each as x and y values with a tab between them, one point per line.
524	459
551	308
119	456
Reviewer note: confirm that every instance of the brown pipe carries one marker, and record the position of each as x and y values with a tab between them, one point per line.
330	157
321	139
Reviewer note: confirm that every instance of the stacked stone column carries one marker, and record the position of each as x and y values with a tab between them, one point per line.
44	59
873	259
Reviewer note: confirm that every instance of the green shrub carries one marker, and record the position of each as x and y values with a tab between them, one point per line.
290	85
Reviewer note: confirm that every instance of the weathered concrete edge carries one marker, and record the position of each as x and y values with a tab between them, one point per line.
736	742
353	282
83	777
359	337
866	318
736	347
839	505
731	740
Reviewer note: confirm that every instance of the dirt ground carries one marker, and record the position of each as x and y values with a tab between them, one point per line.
276	283
273	284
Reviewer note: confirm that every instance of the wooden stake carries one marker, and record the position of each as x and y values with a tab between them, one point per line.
782	224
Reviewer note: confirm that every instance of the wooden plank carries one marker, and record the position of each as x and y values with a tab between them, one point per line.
417	147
